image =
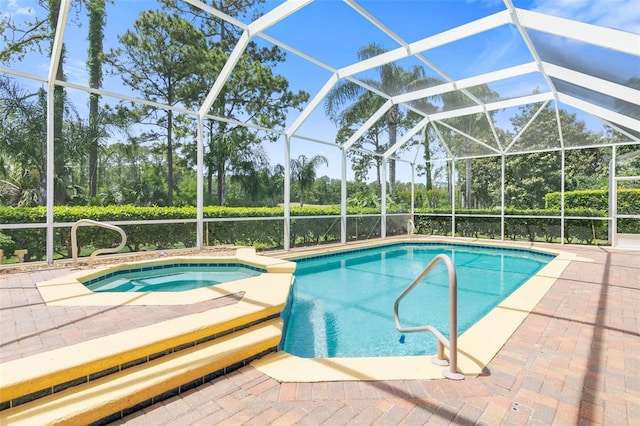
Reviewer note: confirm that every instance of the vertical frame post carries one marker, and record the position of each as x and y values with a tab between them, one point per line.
287	193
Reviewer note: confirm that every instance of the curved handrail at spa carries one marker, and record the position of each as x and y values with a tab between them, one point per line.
89	222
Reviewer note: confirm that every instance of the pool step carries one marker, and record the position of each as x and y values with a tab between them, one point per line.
112	396
39	375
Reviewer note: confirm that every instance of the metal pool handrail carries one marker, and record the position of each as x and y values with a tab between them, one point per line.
89	222
452	345
411	227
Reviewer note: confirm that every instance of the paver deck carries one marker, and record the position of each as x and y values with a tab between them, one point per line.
574	360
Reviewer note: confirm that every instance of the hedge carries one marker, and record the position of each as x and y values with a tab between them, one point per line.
267	233
586	231
598	199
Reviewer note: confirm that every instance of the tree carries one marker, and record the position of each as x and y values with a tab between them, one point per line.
349	121
134	174
252	94
97	21
23	134
393	80
532	175
162	60
30	35
21	38
476	125
486	184
325	191
303	171
23	137
413	118
59	100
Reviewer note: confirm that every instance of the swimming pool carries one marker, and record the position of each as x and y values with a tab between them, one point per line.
342	304
171	277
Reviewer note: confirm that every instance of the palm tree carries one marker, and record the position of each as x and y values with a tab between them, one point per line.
393	80
303	171
19	187
349	120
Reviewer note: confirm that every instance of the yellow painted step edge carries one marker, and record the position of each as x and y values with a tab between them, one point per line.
27	375
100	398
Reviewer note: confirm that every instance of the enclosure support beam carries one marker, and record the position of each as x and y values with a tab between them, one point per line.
619	91
56	52
609	38
420	126
50	174
383	199
287	192
562	181
613	200
453	197
515	18
200	184
604	113
502	208
343	197
370	122
312	105
562	218
413	192
446	37
226	71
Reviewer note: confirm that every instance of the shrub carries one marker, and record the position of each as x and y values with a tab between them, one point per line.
6	244
598	199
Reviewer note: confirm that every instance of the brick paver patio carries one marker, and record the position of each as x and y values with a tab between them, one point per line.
574	360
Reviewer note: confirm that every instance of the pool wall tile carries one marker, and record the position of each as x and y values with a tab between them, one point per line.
31	397
134	363
69	384
185	346
107	420
191	385
180	389
84	379
160	354
140	406
103	373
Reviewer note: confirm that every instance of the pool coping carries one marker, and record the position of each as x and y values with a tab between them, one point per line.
70	290
476	347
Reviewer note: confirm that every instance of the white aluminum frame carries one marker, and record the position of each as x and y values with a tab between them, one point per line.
523	20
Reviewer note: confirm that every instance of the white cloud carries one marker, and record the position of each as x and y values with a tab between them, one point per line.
76	71
17	8
619	14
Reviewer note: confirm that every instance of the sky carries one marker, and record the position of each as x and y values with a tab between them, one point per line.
332	32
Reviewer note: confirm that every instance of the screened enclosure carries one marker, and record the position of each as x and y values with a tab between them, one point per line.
326	121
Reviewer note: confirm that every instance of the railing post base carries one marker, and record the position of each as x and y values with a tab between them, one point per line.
439	361
440	358
452	376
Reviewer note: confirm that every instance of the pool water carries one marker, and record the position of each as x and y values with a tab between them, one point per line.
342	305
172	278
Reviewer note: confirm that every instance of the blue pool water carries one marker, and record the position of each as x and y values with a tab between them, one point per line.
173	277
342	304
